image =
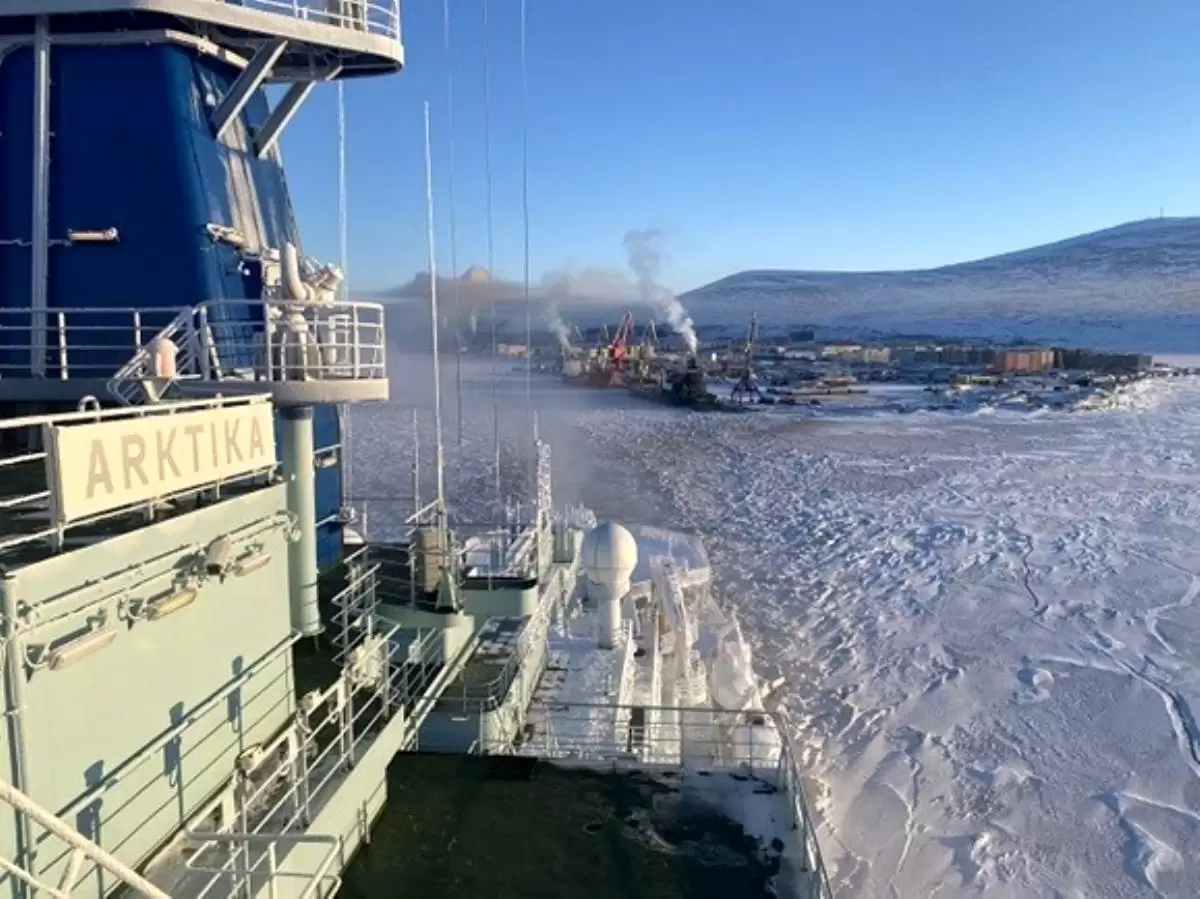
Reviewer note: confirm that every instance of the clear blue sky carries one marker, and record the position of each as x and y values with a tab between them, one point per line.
826	134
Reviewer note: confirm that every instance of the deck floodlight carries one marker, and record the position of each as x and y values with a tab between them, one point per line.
170	603
252	561
216	556
80	647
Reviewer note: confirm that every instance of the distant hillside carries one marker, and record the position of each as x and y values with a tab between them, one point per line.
1136	285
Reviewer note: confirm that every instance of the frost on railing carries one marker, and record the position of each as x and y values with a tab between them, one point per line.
301	341
378	17
789	780
510	550
265	341
579	517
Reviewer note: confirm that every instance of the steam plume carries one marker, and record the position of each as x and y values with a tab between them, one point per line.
558	287
645	260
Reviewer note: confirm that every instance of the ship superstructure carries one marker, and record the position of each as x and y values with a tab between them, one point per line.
170	499
206	692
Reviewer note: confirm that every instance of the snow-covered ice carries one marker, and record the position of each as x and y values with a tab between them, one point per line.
988	623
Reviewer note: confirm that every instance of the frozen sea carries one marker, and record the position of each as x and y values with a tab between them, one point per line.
988	622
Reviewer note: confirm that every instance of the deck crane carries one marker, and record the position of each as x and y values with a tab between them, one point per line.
641	355
745	389
751	337
618	348
610	359
650	335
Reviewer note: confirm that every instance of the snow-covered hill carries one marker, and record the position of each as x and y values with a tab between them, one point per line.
1134	286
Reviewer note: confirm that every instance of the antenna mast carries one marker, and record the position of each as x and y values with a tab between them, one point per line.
416	464
525	213
456	306
439	455
491	242
343	241
343	411
533	480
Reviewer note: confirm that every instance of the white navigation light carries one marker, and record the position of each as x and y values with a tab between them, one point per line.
608	557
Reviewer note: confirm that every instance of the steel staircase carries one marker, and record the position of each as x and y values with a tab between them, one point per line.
143	379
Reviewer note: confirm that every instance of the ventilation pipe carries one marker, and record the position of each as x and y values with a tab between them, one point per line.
294	286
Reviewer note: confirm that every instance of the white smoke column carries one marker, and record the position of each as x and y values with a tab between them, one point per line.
645	260
558	288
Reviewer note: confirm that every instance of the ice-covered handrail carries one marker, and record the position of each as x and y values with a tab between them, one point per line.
792	783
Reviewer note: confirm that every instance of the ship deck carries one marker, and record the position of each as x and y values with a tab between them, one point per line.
512	828
482	675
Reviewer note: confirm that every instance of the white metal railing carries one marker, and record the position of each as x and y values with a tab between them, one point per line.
76	342
756	744
378	17
511	551
127	384
81	850
235	840
355	605
300	342
516	547
259	341
25	485
790	780
267	869
249	340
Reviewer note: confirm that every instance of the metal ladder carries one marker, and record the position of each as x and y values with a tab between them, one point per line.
82	850
137	381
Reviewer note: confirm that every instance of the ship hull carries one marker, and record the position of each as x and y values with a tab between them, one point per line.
702	403
599	379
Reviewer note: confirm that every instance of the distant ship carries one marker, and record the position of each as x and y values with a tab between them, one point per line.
211	687
685	387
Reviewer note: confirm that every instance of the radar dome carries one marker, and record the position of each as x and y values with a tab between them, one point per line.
609	553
